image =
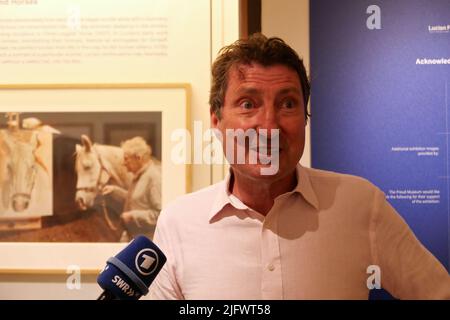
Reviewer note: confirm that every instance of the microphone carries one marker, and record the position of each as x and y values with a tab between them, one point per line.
128	275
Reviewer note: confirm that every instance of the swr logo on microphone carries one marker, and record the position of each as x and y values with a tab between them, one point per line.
124	286
146	261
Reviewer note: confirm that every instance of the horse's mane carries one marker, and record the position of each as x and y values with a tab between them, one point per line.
113	158
2	162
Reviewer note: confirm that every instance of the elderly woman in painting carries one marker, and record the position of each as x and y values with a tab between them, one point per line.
143	199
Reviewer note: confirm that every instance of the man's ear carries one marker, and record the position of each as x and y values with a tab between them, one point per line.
214	120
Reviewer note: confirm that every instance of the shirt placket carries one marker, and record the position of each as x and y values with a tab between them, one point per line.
271	278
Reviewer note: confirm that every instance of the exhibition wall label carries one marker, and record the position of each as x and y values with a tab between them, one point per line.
73	41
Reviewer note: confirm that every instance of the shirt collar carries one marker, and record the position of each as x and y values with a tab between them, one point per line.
222	198
305	188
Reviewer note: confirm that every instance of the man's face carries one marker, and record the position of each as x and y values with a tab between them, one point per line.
259	97
132	162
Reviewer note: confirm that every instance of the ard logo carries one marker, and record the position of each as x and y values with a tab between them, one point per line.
374	20
146	261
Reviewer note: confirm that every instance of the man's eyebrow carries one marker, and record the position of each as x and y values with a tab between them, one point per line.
290	90
253	91
248	90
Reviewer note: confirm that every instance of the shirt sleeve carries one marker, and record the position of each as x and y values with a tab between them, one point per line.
154	194
165	286
119	193
408	269
152	201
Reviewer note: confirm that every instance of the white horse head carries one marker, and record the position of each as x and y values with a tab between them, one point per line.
95	165
4	179
21	165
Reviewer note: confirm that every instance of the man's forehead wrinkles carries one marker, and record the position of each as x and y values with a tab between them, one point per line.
260	75
244	89
247	75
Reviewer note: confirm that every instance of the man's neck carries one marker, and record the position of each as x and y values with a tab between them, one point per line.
260	195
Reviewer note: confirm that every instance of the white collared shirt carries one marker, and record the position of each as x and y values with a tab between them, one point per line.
316	242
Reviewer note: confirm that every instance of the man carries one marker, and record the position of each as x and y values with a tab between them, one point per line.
298	233
143	199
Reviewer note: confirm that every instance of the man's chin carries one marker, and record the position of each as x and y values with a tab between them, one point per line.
259	170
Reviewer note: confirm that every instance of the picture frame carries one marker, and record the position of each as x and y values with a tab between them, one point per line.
171	100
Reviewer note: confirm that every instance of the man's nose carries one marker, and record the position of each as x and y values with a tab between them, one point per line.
268	119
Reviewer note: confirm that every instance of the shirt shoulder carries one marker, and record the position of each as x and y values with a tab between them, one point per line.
153	171
323	178
341	190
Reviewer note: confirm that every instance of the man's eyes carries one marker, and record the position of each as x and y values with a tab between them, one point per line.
289	103
247	104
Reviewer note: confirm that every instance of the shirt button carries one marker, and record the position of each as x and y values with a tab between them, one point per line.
271	267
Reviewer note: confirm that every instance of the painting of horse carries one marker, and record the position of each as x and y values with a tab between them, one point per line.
96	166
72	169
25	176
68	223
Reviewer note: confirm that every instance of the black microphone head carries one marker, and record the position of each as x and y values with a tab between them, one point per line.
128	275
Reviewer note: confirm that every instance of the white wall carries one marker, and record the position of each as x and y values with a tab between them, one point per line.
289	20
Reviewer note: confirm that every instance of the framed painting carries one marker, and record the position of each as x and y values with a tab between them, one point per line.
51	139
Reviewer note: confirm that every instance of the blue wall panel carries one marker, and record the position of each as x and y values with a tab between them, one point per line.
379	112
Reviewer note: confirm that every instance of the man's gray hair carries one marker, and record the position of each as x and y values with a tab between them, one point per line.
137	146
